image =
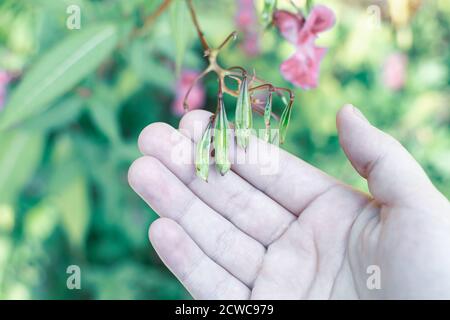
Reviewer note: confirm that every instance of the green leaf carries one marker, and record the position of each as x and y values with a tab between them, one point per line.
178	22
40	221
105	119
243	117
69	191
143	64
61	115
221	130
65	164
20	154
58	71
203	153
284	122
73	205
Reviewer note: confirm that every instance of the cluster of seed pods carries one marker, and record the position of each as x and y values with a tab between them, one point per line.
217	134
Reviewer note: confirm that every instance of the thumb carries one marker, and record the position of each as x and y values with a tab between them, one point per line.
393	176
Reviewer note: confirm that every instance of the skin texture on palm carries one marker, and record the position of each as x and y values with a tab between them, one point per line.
297	233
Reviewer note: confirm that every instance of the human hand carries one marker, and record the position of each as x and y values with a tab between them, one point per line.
298	233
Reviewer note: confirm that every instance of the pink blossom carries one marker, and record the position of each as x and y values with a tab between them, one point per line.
289	24
247	22
394	70
5	78
302	68
196	97
320	19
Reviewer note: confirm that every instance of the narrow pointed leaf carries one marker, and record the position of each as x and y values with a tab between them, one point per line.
20	155
58	71
203	153
178	20
221	140
243	118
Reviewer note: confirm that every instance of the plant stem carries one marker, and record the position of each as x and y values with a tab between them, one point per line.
232	35
150	20
289	91
220	95
204	73
235	72
265	85
244	72
197	27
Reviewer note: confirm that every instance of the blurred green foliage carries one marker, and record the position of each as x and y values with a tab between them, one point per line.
81	97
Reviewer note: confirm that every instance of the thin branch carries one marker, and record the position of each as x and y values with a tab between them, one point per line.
234	93
265	85
201	36
235	78
201	75
244	72
232	35
256	79
220	95
150	20
291	94
231	92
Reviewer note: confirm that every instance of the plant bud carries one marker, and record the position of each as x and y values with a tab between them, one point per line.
267	117
243	118
221	140
202	154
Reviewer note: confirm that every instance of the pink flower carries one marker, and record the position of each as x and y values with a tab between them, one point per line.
302	68
5	78
289	24
394	71
320	19
247	22
196	97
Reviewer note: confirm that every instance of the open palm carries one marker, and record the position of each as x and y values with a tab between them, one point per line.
295	232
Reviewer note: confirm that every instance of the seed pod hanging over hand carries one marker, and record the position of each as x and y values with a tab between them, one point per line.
203	153
267	116
221	144
243	117
284	122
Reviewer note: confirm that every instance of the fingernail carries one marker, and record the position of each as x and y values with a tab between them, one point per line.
358	113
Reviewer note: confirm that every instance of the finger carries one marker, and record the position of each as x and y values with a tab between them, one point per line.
200	275
283	177
392	173
238	253
231	196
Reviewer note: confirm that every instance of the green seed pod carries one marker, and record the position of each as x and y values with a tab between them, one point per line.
202	154
267	117
243	118
221	140
284	122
